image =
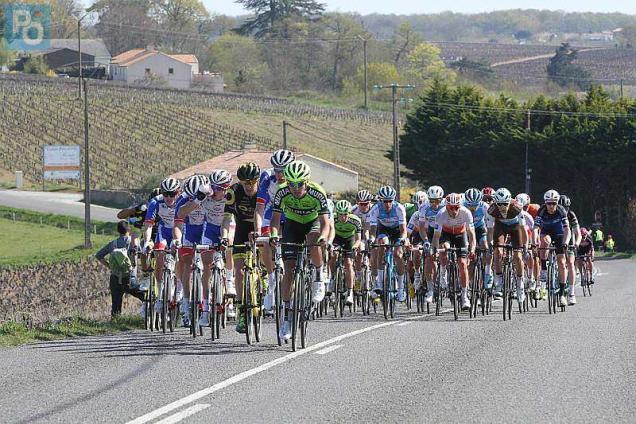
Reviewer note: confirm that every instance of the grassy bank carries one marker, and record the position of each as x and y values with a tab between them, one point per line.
14	334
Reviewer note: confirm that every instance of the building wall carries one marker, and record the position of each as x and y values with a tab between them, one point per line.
332	178
67	58
159	64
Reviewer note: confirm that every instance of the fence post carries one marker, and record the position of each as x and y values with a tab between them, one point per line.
68	224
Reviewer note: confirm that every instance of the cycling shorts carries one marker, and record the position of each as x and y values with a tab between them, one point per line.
455	240
212	234
514	231
295	232
346	243
391	233
557	240
164	238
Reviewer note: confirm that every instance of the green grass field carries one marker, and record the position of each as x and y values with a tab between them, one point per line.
28	243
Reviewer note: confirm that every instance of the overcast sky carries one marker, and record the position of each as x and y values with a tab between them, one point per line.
407	7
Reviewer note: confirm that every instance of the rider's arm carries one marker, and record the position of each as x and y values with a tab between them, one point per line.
126	213
275	224
228	218
325	226
357	241
332	230
566	234
471	238
177	230
259	213
149	220
186	209
436	236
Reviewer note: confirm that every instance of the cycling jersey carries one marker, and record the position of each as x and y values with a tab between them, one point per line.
159	212
364	216
240	205
194	223
528	222
267	187
513	214
410	209
572	219
428	214
453	225
392	218
349	228
533	209
553	224
303	210
414	223
479	214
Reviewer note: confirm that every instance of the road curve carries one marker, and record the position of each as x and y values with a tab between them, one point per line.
576	366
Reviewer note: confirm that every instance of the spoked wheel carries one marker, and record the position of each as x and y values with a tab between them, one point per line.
279	313
392	296
246	307
505	294
295	310
173	303
165	298
336	293
194	305
305	312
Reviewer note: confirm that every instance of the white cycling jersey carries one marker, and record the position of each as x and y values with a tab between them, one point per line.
414	223
214	210
454	225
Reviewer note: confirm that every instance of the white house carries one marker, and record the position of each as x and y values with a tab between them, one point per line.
140	66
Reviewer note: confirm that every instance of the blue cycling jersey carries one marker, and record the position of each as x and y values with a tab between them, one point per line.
392	218
159	212
428	214
267	187
479	214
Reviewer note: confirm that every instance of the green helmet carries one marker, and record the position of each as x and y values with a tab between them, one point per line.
297	172
343	207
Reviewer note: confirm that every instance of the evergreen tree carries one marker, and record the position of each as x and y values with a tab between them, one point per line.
268	13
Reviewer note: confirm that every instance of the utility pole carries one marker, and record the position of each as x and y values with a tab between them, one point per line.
79	54
396	141
285	123
87	185
527	170
621	88
366	75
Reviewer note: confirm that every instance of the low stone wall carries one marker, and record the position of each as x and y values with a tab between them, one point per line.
45	293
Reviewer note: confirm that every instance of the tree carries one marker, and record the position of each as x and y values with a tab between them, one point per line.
562	71
347	35
7	57
36	65
240	60
403	41
181	16
425	65
269	13
125	24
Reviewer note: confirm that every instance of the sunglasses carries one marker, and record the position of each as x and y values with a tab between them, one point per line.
170	194
499	205
387	201
296	185
550	203
435	200
217	189
249	182
452	207
363	203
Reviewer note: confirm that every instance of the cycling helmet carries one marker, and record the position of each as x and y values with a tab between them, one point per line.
281	158
502	195
453	199
191	185
221	178
364	196
386	193
297	171
565	201
584	232
419	198
435	193
551	196
488	191
248	172
169	185
473	196
154	193
343	207
523	199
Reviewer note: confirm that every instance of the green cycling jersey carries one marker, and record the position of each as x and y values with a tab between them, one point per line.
349	228
302	210
410	209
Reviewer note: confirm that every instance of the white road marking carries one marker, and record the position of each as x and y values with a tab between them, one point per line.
328	349
402	324
245	374
175	418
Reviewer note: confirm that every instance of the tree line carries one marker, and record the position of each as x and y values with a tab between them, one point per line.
582	146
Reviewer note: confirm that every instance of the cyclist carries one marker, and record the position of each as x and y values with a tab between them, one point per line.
452	224
362	210
348	229
473	200
161	210
135	215
388	225
268	183
487	193
573	245
304	204
428	215
211	200
524	200
508	221
240	208
552	226
415	240
585	253
186	233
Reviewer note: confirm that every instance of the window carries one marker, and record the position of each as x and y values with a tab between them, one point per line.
171	71
147	70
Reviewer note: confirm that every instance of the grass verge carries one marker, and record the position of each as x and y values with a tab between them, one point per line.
15	334
615	255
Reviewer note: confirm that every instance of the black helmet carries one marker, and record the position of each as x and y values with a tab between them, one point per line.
564	201
154	193
248	171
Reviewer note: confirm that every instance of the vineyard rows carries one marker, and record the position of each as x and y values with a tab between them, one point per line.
136	133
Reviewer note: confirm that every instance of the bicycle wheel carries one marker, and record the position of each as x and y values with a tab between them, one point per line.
505	294
453	286
194	303
305	311
336	293
279	313
295	310
385	293
172	309
246	307
257	312
218	310
474	288
164	300
392	295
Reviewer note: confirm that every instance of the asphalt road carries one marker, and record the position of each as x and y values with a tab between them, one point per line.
573	367
57	203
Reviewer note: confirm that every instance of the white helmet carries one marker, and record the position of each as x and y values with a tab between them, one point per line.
473	196
419	198
221	178
551	196
387	193
435	192
453	199
192	184
523	199
281	158
502	195
169	185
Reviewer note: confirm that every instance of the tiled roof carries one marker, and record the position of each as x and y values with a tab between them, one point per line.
133	56
124	57
186	58
230	161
